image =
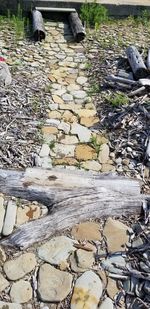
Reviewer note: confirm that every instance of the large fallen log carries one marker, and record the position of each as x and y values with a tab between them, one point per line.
136	62
72	197
38	25
76	27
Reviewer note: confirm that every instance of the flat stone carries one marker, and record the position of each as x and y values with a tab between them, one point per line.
85	259
67	97
101	139
81	80
104	154
86	231
106	304
86	112
64	150
52	122
46	162
113	230
91	165
87	291
73	87
65	161
59	92
48	138
85	152
53	107
3	283
70	107
68	139
19	267
27	213
53	285
89	121
57	99
107	168
74	265
4	305
10	218
2	212
49	130
2	257
45	150
79	94
54	114
112	288
21	292
83	133
57	250
69	117
65	127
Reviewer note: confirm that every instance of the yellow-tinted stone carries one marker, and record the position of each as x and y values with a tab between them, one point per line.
86	112
65	161
69	117
107	168
89	121
84	152
49	130
86	231
54	115
101	139
57	99
112	288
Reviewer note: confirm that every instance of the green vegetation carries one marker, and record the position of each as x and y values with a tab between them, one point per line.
94	88
118	99
93	14
95	144
52	145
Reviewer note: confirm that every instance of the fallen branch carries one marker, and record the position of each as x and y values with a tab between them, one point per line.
71	197
136	62
76	26
38	25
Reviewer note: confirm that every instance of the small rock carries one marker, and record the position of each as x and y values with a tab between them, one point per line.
69	117
57	250
87	291
21	292
79	94
4	305
19	267
27	213
113	230
65	127
81	80
68	139
85	259
10	218
2	257
104	154
54	114
89	121
53	285
84	134
45	150
2	212
86	112
65	161
67	97
106	304
49	130
86	231
85	152
3	283
64	150
112	288
107	168
73	87
91	165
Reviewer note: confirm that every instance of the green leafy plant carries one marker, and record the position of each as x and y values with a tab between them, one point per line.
118	99
95	144
93	89
93	14
52	144
144	18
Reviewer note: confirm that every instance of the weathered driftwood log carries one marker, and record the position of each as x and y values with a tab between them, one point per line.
72	197
122	80
76	26
136	62
38	25
148	60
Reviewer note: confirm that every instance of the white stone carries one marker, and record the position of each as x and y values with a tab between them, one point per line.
87	291
104	153
67	97
69	139
81	80
91	165
10	218
19	267
53	122
53	106
65	127
83	133
64	150
57	250
3	283
46	162
79	94
4	305
2	213
85	259
53	285
45	150
107	304
21	292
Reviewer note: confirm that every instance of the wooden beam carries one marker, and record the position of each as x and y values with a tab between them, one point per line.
71	197
136	62
38	25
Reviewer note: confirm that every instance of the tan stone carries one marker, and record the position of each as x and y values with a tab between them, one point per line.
27	213
86	112
70	107
69	117
91	165
57	99
103	277
89	121
21	292
104	154
49	130
90	106
116	235
65	161
101	139
84	152
86	231
68	140
112	288
3	283
54	115
107	168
